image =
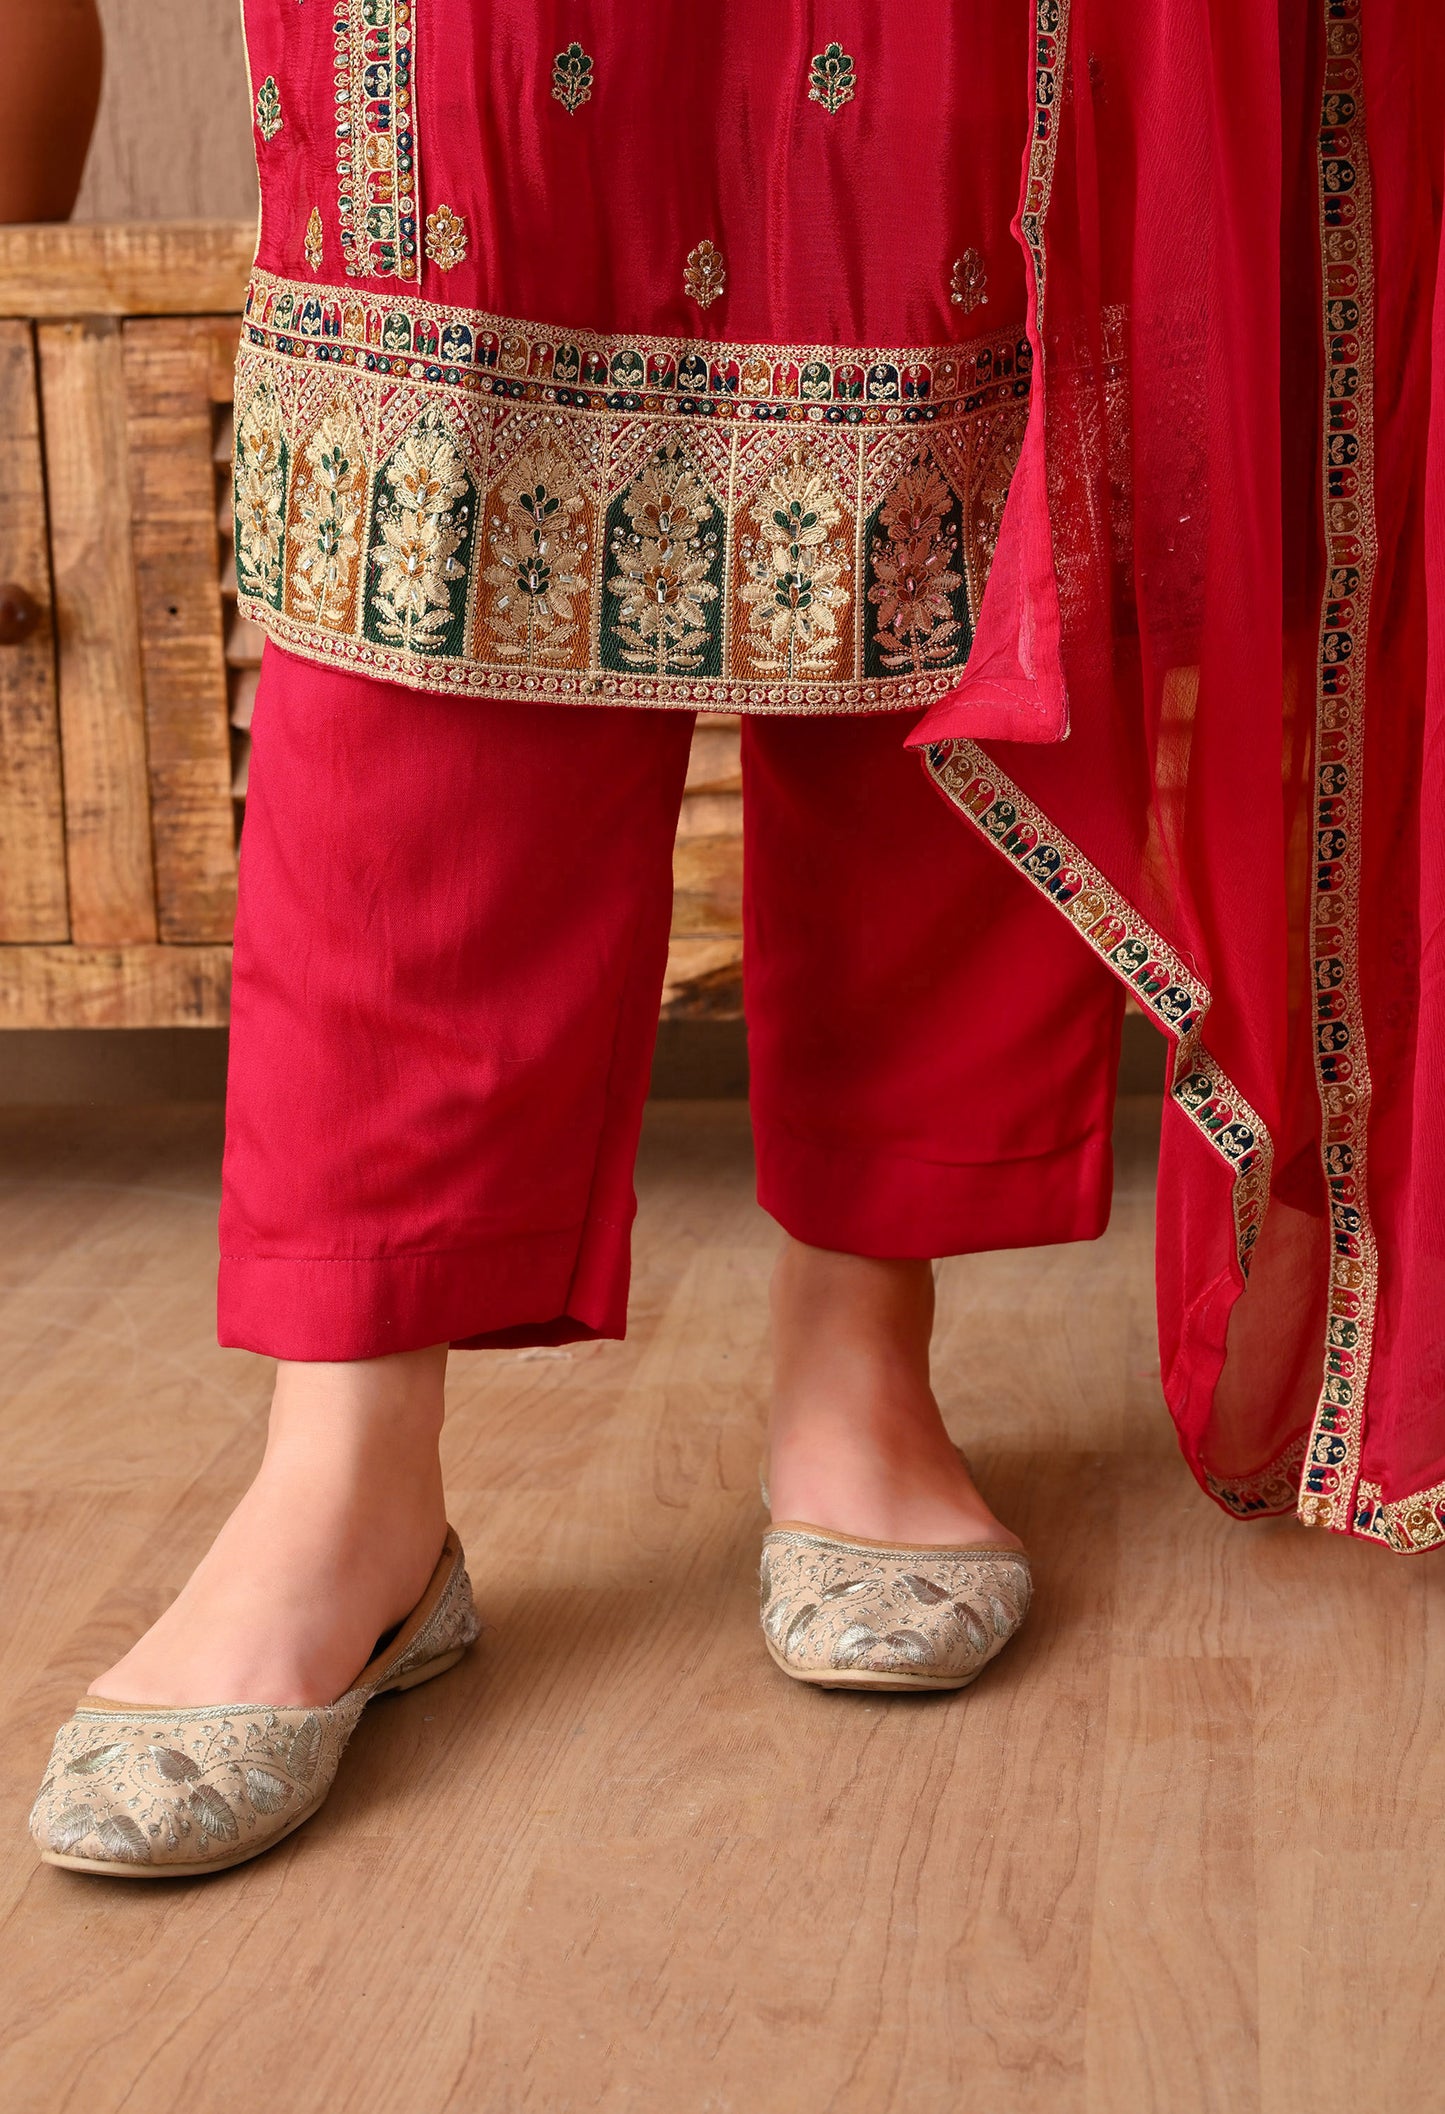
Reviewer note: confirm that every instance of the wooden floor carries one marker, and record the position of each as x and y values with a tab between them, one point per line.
1180	1850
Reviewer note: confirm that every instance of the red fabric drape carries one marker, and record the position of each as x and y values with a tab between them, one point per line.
1220	573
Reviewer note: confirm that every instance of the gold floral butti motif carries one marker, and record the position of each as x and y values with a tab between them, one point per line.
666	556
260	479
446	238
799	570
268	109
376	145
422	523
832	81
538	552
487	507
705	276
968	282
572	79
323	536
315	244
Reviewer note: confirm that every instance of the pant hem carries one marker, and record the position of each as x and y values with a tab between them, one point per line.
836	1193
526	1289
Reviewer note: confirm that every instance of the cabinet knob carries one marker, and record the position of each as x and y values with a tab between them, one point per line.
20	614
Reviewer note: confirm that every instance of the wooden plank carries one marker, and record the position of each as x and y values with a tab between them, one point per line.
704	978
102	718
158	268
114	987
168	366
32	839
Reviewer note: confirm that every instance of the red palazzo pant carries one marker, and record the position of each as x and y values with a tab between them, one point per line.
450	948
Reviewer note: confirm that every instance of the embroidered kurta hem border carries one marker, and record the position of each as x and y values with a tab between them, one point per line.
477	506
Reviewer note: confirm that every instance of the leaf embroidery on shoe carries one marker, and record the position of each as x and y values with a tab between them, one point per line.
122	1838
266	1792
213	1814
94	1758
303	1749
799	1623
69	1828
175	1767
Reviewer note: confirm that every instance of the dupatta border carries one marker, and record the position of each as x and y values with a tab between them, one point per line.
1331	1493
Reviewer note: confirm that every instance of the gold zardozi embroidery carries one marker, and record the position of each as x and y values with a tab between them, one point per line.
481	506
315	244
446	238
968	284
705	277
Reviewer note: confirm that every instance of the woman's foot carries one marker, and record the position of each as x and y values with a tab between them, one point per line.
332	1545
857	1443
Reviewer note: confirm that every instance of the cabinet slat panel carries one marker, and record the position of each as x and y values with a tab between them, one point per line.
114	987
102	719
32	834
140	268
168	371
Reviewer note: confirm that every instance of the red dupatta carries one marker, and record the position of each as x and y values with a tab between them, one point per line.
1221	575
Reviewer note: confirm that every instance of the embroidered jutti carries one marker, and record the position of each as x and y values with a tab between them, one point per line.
653	357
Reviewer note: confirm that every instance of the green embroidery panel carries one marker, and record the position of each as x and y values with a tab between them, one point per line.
915	616
663	559
419	552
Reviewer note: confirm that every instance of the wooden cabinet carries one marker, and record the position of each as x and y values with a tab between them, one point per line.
126	677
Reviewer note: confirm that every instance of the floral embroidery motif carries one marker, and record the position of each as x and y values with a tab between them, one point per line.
915	590
323	540
578	518
705	277
797	585
376	152
537	541
315	244
268	109
968	286
572	79
446	238
832	82
260	473
421	525
666	561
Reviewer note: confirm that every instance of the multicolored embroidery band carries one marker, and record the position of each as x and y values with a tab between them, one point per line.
473	505
1155	974
376	143
1329	1496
